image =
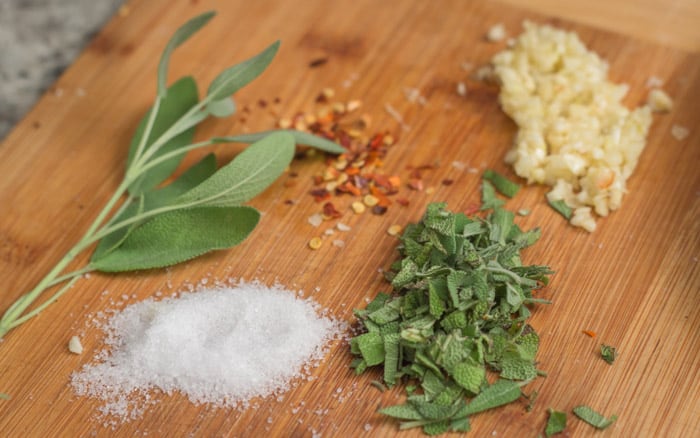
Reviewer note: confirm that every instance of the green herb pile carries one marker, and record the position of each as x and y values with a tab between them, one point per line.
200	211
458	310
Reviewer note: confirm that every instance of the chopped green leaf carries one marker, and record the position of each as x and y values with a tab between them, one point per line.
594	418
500	393
608	353
501	183
556	423
4	396
561	208
489	200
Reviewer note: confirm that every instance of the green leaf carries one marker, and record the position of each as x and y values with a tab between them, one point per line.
181	97
460	425
515	367
402	412
500	393
593	418
234	78
556	423
4	396
180	235
251	172
371	347
155	199
501	225
391	357
489	199
501	183
469	376
300	137
608	353
222	108
180	36
561	208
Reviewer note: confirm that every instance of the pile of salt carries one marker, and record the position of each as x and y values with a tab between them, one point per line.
220	346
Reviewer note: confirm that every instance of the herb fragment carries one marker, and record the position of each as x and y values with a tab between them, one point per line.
561	208
593	418
608	353
458	308
4	396
501	183
556	423
199	212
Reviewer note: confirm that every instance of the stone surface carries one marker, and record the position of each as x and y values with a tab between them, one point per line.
38	40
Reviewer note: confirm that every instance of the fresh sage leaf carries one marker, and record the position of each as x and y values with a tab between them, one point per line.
608	353
500	393
181	97
300	137
180	36
222	108
178	236
594	418
402	412
251	172
561	207
501	183
155	199
234	78
556	423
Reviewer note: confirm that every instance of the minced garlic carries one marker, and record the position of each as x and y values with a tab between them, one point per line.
574	133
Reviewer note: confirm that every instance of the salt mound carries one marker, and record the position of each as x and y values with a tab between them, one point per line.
220	346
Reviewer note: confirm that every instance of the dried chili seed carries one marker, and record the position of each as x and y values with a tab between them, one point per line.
315	243
370	200
394	230
358	207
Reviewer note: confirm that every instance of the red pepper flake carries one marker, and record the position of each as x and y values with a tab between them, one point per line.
472	209
379	210
447	182
415	184
376	142
402	201
289	202
329	210
317	62
320	195
589	333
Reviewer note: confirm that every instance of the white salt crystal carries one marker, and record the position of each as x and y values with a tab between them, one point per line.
342	227
219	346
679	132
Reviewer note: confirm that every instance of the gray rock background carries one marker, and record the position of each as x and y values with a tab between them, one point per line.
38	40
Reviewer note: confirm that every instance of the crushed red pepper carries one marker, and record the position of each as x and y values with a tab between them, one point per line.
357	172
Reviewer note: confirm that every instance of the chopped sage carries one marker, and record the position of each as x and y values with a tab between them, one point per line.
459	307
594	418
501	183
608	353
556	423
561	208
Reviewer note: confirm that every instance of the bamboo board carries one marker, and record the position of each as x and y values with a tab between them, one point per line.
635	281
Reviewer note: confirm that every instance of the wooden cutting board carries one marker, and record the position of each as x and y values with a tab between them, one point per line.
635	281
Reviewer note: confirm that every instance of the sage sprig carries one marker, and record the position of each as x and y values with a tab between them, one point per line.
198	212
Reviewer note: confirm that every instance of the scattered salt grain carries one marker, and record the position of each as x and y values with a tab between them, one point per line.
462	89
339	243
496	33
219	346
367	427
679	132
74	345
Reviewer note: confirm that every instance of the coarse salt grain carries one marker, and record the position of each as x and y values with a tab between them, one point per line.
219	346
679	132
74	345
496	33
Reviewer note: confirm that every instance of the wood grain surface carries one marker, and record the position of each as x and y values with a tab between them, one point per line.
635	281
